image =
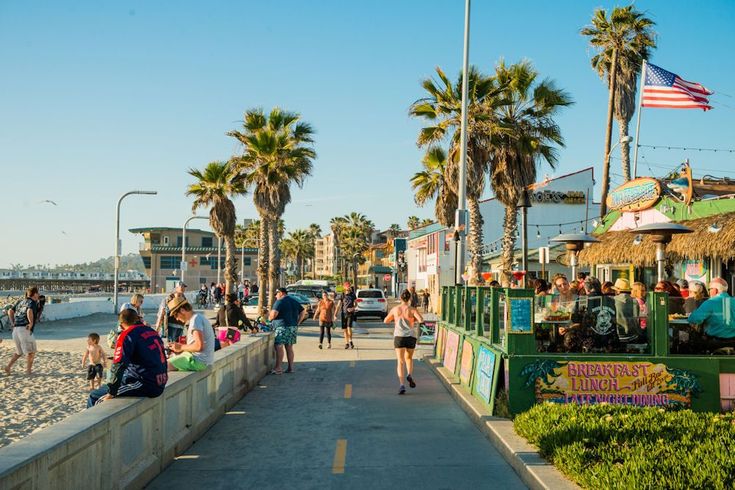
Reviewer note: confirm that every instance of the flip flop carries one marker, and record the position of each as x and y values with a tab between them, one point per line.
276	372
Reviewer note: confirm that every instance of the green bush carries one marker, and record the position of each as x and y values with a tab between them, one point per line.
612	446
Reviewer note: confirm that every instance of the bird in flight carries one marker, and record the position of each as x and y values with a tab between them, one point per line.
48	201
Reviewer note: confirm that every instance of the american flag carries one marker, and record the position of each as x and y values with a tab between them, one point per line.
662	88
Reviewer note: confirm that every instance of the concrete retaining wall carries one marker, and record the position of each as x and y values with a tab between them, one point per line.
79	307
126	442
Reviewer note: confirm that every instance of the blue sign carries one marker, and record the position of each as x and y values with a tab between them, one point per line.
485	373
520	315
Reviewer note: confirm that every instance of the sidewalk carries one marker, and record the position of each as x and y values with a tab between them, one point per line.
337	422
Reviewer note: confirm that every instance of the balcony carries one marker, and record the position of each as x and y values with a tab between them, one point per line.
144	246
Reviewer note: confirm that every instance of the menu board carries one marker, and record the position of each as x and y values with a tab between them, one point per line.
521	318
485	373
427	333
450	351
465	366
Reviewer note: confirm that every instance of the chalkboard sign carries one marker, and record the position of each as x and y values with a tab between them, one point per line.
521	319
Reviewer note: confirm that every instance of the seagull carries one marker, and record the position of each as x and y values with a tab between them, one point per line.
48	201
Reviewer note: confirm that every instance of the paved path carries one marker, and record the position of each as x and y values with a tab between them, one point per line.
337	422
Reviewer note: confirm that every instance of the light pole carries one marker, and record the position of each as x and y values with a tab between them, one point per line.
118	247
219	259
460	220
524	203
183	244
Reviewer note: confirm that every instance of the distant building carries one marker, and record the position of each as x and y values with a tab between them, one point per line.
430	260
161	254
326	256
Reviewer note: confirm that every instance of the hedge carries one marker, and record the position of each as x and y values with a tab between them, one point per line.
613	446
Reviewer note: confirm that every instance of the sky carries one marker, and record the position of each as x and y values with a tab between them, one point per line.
101	97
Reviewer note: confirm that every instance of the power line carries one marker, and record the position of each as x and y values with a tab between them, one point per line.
667	147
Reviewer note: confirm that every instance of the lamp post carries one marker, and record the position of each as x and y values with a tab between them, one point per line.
219	259
460	220
183	243
574	242
524	202
661	234
606	178
118	245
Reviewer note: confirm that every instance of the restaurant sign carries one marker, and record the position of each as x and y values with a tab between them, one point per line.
635	195
617	382
558	197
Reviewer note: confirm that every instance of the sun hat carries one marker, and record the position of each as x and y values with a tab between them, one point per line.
176	303
622	285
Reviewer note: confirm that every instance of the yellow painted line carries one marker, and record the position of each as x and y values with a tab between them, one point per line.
340	452
352	363
348	391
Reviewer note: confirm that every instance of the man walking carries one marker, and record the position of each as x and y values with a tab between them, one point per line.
140	366
23	317
286	315
346	308
166	324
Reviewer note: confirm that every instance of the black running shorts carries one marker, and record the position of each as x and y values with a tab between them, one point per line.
404	342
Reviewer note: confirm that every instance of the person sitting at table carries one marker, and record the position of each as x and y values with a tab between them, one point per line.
232	315
541	287
697	296
563	291
638	293
594	326
717	314
626	313
676	302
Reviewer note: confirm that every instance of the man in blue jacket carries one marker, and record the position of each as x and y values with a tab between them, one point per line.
717	314
140	367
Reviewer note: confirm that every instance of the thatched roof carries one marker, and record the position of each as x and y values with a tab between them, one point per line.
616	247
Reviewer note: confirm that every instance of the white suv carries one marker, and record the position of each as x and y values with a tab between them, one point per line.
371	302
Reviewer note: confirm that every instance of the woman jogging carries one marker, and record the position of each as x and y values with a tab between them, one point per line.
405	334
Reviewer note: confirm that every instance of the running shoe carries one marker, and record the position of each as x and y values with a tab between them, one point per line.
411	382
402	390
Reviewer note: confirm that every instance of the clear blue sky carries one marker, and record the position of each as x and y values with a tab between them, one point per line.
100	97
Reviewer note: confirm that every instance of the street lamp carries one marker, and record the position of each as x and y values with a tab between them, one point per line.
118	245
460	220
183	243
524	203
606	174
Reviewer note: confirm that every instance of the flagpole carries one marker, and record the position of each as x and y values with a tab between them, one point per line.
638	122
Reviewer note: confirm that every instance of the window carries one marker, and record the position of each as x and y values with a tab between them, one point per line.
203	261
170	261
213	262
146	262
246	261
421	256
178	241
207	241
165	240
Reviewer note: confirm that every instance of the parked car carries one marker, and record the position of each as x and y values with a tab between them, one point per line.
314	295
250	307
371	302
305	302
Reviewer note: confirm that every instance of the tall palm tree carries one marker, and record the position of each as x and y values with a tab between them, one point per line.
621	41
395	228
315	231
298	245
277	153
337	224
215	187
354	235
442	108
413	222
431	183
525	134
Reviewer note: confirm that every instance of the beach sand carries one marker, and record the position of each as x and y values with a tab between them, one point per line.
57	389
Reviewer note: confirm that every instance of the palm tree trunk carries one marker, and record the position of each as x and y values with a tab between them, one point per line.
608	134
262	263
354	273
624	148
274	262
475	238
510	223
230	268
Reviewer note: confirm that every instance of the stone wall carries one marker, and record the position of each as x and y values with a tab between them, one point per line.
126	442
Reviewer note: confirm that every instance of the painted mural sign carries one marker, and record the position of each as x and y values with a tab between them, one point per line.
451	349
617	382
485	372
440	340
695	270
465	365
635	195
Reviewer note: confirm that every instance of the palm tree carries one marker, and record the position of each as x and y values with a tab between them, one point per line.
426	222
298	245
337	224
413	222
354	233
216	186
442	108
395	228
315	231
431	183
621	42
277	152
525	134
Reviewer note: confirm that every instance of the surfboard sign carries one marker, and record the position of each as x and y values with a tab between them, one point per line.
635	195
